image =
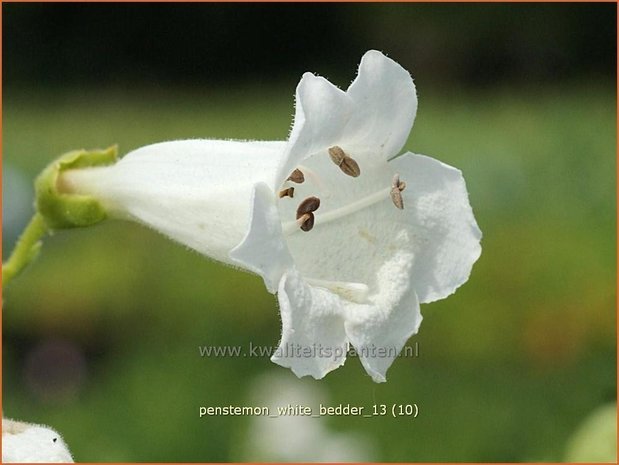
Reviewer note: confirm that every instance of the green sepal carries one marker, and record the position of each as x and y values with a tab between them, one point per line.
65	210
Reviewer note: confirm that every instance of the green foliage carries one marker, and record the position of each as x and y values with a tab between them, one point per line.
508	367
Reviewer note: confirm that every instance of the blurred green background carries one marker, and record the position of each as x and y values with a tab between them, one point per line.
101	334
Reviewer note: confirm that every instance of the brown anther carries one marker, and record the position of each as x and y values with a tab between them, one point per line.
309	205
350	167
396	183
296	176
346	163
396	180
305	217
337	155
306	221
289	192
397	187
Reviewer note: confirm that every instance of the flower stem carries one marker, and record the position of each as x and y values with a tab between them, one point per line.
26	249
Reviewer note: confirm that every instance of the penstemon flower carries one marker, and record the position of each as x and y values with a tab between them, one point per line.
351	236
25	442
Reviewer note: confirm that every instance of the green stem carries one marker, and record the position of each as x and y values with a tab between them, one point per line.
26	249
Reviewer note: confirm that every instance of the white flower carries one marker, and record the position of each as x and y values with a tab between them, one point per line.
25	442
364	240
298	438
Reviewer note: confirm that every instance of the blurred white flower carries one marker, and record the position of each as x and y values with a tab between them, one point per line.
595	439
351	236
294	438
25	442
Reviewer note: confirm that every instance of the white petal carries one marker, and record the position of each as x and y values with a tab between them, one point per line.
385	105
197	192
446	236
322	111
32	443
313	338
379	330
263	250
371	121
200	162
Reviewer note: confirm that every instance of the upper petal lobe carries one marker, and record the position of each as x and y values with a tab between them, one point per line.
385	105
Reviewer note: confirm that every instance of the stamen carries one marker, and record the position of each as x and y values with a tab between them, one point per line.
296	176
397	187
355	292
306	221
310	204
337	155
291	227
396	198
289	192
305	217
347	164
350	167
